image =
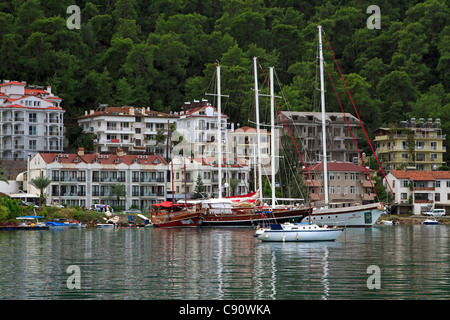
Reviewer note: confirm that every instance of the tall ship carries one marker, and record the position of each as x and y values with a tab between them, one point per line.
356	215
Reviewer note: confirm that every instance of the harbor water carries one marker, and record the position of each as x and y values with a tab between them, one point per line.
383	262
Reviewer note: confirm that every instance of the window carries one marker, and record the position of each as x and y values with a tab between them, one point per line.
437	197
404	156
331	189
433	145
352	190
32	130
404	196
437	184
404	183
32	144
433	156
32	117
331	176
448	184
403	146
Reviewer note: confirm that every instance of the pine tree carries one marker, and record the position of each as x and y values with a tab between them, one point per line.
199	191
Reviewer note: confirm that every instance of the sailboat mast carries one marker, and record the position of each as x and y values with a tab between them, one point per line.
219	131
272	135
322	98
258	131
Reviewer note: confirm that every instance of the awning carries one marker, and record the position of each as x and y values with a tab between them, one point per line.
167	204
23	195
30	217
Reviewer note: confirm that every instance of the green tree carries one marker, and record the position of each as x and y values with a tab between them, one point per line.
41	183
118	190
199	191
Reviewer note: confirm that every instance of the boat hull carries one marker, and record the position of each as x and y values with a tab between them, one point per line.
356	216
252	218
430	222
299	235
193	220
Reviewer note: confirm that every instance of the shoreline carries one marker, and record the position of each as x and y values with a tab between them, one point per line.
412	220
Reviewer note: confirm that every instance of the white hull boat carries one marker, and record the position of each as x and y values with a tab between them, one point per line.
297	232
356	216
431	221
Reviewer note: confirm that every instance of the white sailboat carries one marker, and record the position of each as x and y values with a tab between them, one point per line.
297	232
221	212
353	216
293	232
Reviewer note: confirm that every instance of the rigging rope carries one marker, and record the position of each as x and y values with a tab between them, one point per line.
354	107
351	132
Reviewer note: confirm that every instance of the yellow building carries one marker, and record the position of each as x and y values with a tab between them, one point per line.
411	144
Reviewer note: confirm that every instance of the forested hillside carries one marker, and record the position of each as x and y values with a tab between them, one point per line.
161	53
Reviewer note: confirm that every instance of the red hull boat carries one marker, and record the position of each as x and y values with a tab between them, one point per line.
173	215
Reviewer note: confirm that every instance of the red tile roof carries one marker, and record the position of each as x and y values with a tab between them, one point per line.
421	175
17	83
250	130
102	158
125	111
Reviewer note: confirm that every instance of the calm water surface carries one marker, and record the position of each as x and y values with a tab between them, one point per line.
224	264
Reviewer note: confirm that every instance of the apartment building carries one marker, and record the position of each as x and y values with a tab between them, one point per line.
31	120
418	191
84	179
347	183
198	124
235	176
412	143
306	127
128	128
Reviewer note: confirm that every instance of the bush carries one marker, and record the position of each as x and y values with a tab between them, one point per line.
4	213
13	206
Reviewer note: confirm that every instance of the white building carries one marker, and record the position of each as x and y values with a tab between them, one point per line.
197	124
235	176
243	144
128	128
84	179
31	120
419	191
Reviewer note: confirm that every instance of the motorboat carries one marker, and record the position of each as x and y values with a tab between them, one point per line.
31	223
297	232
110	223
430	221
388	222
